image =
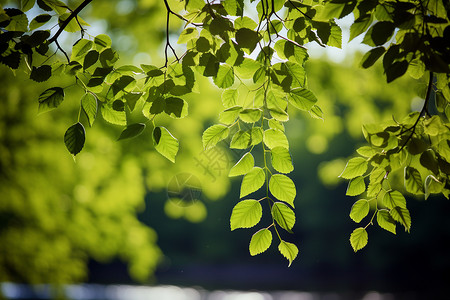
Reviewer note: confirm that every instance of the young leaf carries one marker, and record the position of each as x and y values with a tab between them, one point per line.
302	98
275	138
230	98
355	167
224	77
260	241
165	143
281	160
131	131
243	166
402	216
256	135
240	140
113	116
366	151
385	220
80	49
283	215
356	186
358	238
246	214
413	181
252	181
89	105
74	138
393	199
288	250
282	188
214	134
50	99
229	115
102	41
359	210
250	115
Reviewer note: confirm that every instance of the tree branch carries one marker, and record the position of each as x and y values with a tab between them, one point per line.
67	21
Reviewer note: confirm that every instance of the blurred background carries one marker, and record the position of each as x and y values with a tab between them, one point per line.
106	222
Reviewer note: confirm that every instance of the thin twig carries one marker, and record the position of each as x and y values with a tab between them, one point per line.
424	110
67	21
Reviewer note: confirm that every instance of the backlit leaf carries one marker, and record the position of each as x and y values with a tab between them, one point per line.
283	215
394	198
356	186
401	215
131	131
288	250
165	143
358	238
260	241
282	188
252	181
230	98
240	140
89	105
413	181
385	220
302	98
360	210
355	167
281	160
275	138
246	214
243	166
50	99
214	134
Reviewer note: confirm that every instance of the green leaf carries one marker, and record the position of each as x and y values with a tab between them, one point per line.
247	38
372	56
214	134
26	5
241	140
42	73
250	115
360	25
113	116
132	131
165	143
282	188
74	25
358	238
302	98
243	166
385	220
246	214
260	241
283	215
288	250
89	105
413	181
275	138
432	186
230	98
360	210
256	135
274	124
366	151
394	198
401	215
50	99
355	167
356	186
102	41
74	138
39	21
252	181
176	107
229	115
80	49
224	77
281	160
187	34
90	58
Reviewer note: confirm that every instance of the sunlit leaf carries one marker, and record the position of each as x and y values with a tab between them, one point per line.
246	214
281	160
358	238
252	181
89	105
401	215
260	241
360	210
356	186
275	138
243	166
282	188
385	220
165	143
394	198
288	250
355	167
283	215
213	135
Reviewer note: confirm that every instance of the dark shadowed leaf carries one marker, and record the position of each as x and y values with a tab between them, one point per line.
50	99
74	138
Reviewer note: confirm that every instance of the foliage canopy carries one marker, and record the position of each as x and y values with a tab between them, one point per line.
257	57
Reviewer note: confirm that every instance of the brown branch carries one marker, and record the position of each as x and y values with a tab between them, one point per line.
67	21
